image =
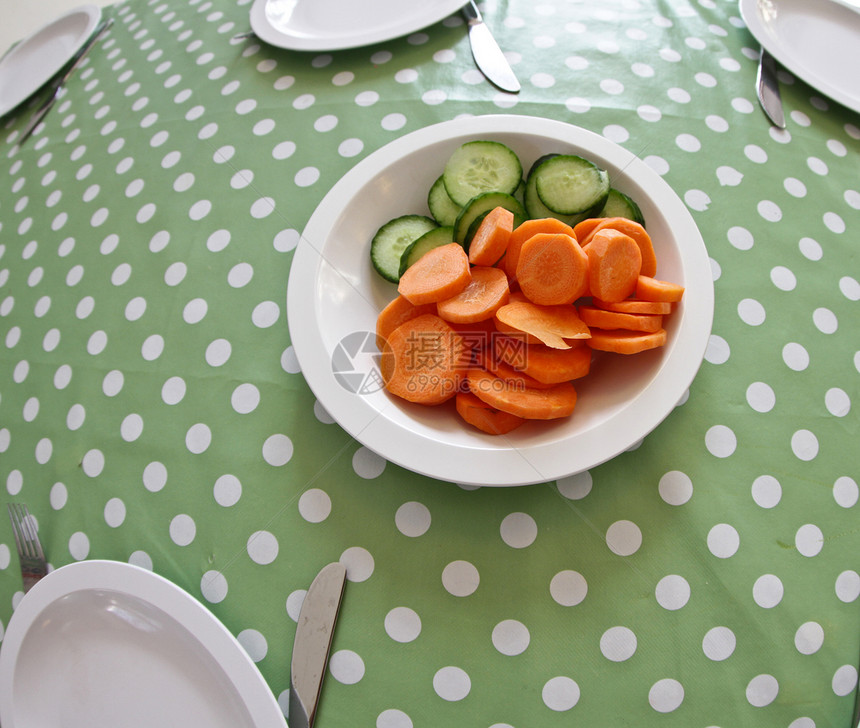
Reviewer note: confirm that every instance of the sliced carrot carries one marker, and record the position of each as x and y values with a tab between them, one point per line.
523	232
486	293
634	230
481	415
651	289
551	325
395	313
600	319
514	332
540	362
424	360
532	404
491	238
620	341
584	228
438	274
632	305
552	269
614	262
514	376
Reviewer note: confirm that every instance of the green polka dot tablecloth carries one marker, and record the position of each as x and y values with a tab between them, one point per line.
152	410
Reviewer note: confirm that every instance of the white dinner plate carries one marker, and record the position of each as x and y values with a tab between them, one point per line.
104	643
37	58
334	297
330	25
817	40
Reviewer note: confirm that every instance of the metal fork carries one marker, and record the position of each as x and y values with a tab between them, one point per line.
30	554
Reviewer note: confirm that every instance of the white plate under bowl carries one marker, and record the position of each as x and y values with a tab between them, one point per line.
103	643
817	40
37	58
334	293
330	25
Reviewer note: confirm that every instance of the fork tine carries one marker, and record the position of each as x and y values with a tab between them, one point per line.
24	530
15	517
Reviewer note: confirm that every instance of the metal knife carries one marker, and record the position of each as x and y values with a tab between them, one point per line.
767	88
58	83
314	634
486	52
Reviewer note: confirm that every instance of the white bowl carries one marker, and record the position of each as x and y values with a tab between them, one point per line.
334	297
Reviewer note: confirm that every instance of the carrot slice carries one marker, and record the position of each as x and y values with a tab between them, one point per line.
551	325
614	262
598	318
540	362
438	274
634	230
620	341
523	232
514	332
513	376
490	240
651	289
584	228
552	269
424	360
481	415
395	313
486	293
531	404
632	305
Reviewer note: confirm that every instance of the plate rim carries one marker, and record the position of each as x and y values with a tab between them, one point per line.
518	469
764	34
158	592
265	31
93	13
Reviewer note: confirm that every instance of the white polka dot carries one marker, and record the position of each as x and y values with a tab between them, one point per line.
825	320
367	464
804	445
266	314
460	578
93	463
575	487
675	488
218	352
263	207
719	643
766	491
672	592
213	586
402	624
809	638
666	695
769	210
154	476
277	450
568	588
761	397
393	718
131	427
314	505
718	350
762	690
412	519
182	529
114	512
768	591
79	546
262	547
723	541
730	177
245	398
198	438
844	680
688	143
834	222
560	693
809	540
452	683
511	637
795	356
720	441
623	538
751	312
518	530
346	667
618	644
254	643
240	275
848	586
358	562
845	491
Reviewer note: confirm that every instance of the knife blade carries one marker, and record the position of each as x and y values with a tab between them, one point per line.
314	633
486	52
767	89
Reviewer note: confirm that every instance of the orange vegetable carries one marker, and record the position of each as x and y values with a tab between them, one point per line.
634	230
540	362
513	376
552	269
598	318
523	232
620	341
584	228
632	305
490	240
531	404
614	261
424	360
486	292
651	289
438	274
395	313
481	415
551	325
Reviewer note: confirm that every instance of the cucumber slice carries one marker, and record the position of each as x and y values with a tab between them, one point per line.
570	185
443	209
536	209
429	240
481	166
482	204
392	239
620	205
